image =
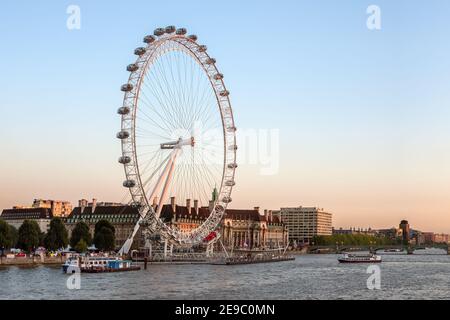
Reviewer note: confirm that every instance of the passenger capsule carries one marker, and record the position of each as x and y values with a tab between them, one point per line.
149	39
220	208
210	61
230	183
218	76
231	129
227	200
123	111
127	87
124	160
159	32
193	37
232	166
132	67
202	48
122	135
170	29
233	148
139	51
224	93
129	183
181	31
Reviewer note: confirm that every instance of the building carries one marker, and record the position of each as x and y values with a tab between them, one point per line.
18	215
440	238
392	233
404	226
304	223
122	217
58	208
238	229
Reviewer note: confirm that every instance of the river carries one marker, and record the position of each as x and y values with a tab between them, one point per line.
421	276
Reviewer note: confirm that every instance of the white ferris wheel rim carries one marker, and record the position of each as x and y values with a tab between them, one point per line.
147	56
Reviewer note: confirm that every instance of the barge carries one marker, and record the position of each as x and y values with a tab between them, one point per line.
85	264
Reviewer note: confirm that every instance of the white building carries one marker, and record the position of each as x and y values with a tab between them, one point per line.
17	216
304	223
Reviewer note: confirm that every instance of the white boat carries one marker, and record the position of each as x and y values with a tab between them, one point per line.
97	264
359	258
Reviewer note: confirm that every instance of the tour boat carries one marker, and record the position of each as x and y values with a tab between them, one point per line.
360	258
97	265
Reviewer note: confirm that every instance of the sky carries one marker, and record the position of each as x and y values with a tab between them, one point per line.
362	114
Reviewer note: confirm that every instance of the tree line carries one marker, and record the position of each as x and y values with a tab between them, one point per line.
352	239
29	236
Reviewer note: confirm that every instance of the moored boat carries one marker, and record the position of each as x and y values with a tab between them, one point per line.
359	258
88	264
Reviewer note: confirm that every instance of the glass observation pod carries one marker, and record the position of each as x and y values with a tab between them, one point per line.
123	135
202	48
124	160
224	93
230	183
233	148
181	31
139	51
193	37
210	61
227	200
218	76
232	129
132	67
232	166
127	87
129	183
159	32
123	111
149	39
170	29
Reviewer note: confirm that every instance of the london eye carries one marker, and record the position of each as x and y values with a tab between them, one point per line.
178	134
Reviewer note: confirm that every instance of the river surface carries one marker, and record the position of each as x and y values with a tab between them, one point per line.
424	276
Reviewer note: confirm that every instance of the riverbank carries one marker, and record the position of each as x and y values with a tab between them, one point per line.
30	261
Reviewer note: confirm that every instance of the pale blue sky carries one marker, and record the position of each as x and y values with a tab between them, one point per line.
363	115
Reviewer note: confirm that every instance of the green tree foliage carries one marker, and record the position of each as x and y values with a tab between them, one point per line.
351	239
80	232
14	235
57	236
104	237
29	235
81	246
103	223
8	235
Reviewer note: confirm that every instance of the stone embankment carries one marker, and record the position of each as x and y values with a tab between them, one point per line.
30	261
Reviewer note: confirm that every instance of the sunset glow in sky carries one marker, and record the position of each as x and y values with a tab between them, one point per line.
363	115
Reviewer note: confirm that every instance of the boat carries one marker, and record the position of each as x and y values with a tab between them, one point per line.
360	258
86	264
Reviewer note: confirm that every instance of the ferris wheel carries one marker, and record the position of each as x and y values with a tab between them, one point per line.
178	134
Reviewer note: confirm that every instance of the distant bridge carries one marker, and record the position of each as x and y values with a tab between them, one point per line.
374	248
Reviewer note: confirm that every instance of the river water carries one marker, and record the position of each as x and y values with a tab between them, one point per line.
424	276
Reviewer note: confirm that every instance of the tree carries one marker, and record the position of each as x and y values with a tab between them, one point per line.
28	237
104	236
80	232
8	235
103	223
57	236
81	246
14	235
